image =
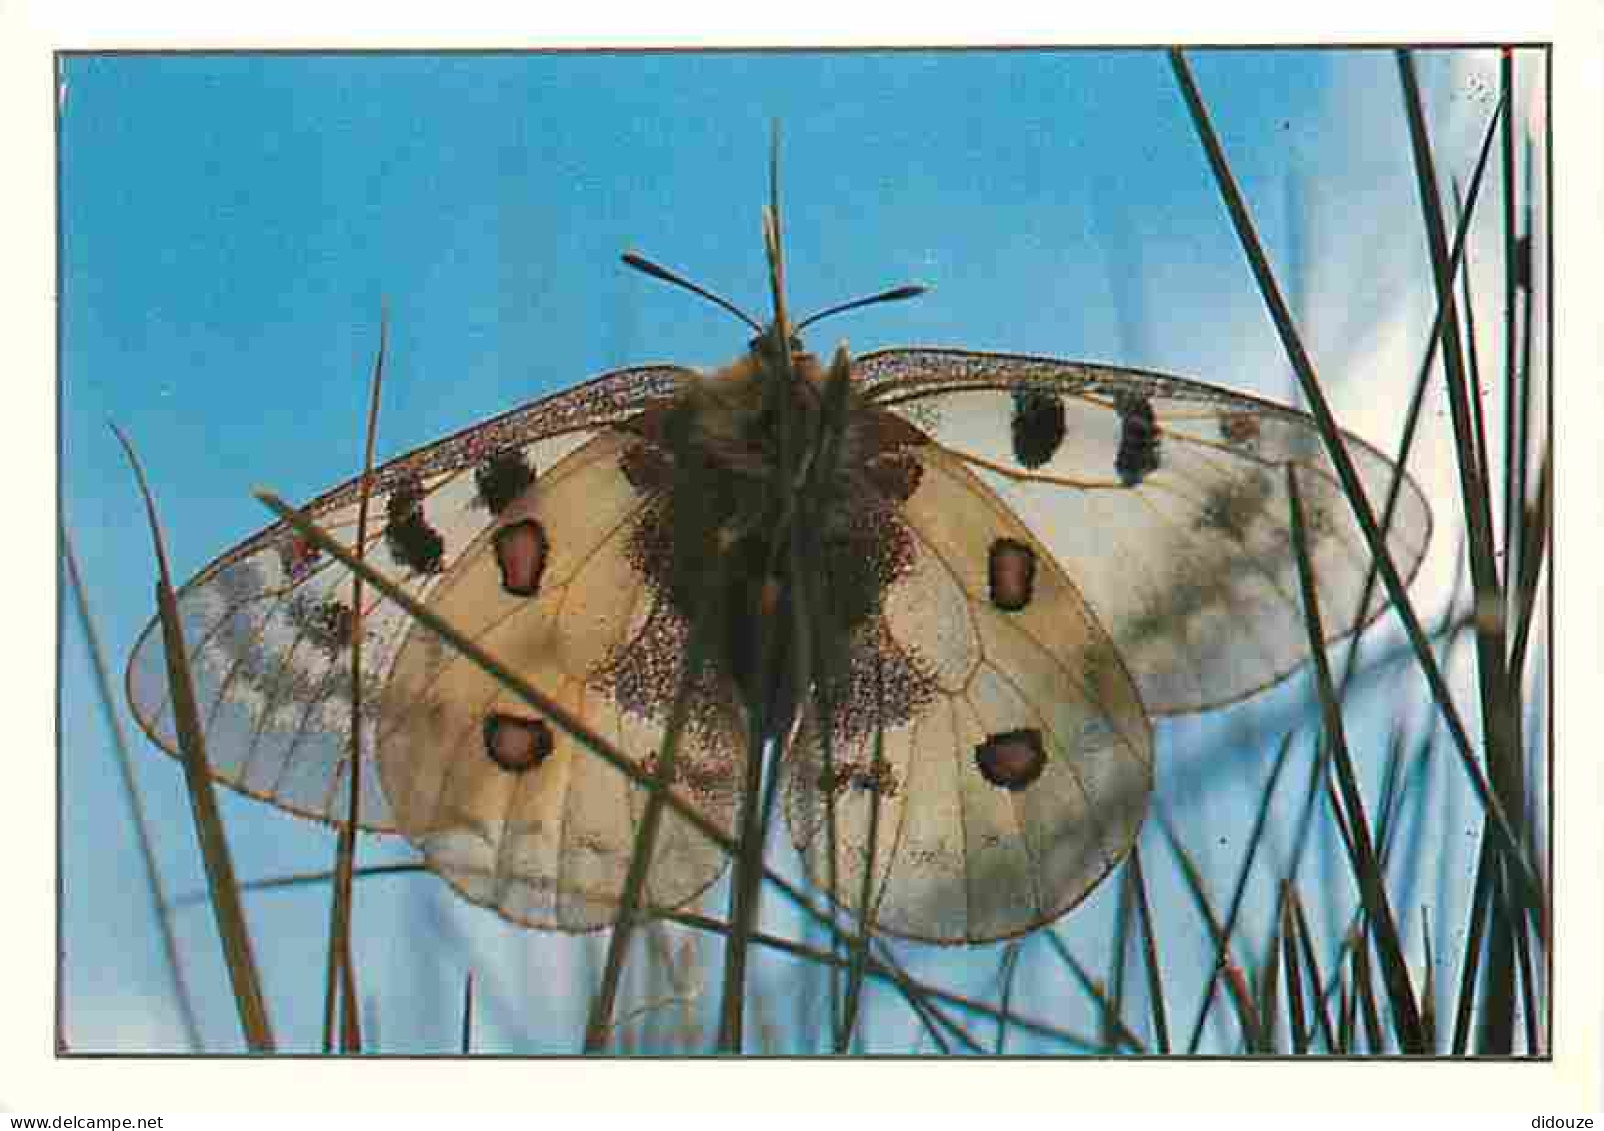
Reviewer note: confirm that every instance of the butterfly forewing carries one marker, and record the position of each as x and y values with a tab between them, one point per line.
268	625
505	805
1014	758
1166	502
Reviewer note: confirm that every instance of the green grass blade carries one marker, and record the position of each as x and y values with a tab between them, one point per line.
600	1023
1193	878
1421	384
136	805
1266	999
229	915
1292	972
1372	885
1311	963
860	951
1514	445
921	997
1347	1015
1007	970
1535	532
1472	376
1240	888
1342	464
1119	945
924	999
1364	993
936	1022
1150	961
1501	731
1253	1039
743	896
1528	998
1520	462
1110	1020
340	972
1470	964
1428	987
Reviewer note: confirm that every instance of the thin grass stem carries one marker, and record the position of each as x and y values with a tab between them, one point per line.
1372	886
1341	462
136	805
250	1004
340	972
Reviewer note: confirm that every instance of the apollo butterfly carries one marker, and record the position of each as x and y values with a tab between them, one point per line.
955	587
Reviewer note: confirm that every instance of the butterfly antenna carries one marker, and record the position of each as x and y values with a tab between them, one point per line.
647	267
895	294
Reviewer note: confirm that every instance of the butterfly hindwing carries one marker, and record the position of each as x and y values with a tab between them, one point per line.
268	625
1015	760
1166	501
503	803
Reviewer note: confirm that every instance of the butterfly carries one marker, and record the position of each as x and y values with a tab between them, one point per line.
952	588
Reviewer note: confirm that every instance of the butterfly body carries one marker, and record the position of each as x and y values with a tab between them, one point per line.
735	468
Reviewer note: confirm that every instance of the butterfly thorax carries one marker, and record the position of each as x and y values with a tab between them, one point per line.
772	489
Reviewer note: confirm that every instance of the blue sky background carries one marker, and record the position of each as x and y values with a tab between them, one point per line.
231	225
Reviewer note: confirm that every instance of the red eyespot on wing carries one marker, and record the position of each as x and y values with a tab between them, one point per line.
1011	573
521	551
1011	760
517	745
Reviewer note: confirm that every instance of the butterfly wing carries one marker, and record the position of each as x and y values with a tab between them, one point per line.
511	810
1015	760
268	624
1166	501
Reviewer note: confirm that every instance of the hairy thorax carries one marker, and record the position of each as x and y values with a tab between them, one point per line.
771	520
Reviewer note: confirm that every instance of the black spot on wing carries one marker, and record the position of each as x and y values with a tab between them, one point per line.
413	542
1137	457
502	478
1037	425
